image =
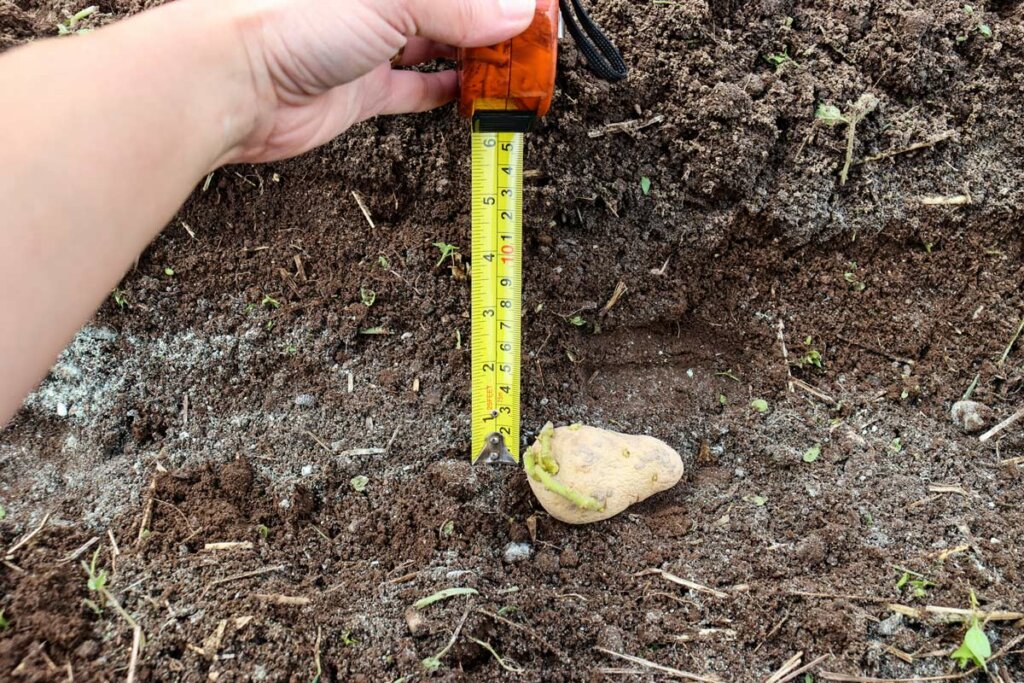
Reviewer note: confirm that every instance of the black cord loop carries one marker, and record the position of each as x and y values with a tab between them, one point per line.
603	58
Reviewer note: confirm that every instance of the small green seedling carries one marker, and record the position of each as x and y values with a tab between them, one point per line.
447	250
812	453
443	595
347	640
359	483
72	25
367	296
852	279
758	501
447	529
760	405
97	583
896	445
577	320
723	400
645	185
919	584
812	356
270	302
4	623
383	262
3	513
375	331
975	649
169	272
778	59
830	115
120	300
263	530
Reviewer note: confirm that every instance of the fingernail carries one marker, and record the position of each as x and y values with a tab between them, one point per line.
517	10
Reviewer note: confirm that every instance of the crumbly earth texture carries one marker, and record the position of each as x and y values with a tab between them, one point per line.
582	474
338	459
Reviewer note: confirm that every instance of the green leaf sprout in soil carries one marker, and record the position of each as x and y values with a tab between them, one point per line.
375	331
757	501
367	296
812	453
270	302
447	250
975	648
778	59
447	529
760	405
918	583
73	24
120	300
4	623
347	640
263	530
851	277
442	595
577	320
723	400
645	185
812	356
896	445
96	583
169	272
359	483
383	262
830	115
3	513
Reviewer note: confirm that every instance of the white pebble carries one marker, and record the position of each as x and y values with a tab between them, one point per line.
307	470
305	400
62	410
517	552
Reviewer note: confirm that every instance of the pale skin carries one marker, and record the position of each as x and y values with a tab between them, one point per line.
103	136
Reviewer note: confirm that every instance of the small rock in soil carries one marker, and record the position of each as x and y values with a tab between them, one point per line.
417	624
970	416
610	638
888	627
517	552
305	400
547	563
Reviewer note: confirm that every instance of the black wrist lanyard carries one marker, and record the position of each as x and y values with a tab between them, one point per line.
603	58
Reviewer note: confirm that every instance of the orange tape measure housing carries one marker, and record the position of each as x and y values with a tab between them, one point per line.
515	76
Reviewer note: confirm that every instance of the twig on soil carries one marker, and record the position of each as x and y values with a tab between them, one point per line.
147	509
1009	347
77	552
9	555
362	207
675	673
629	127
953	614
243	575
896	652
880	352
817	393
279	599
785	354
133	659
790	664
620	289
532	634
949	488
316	656
938	200
317	439
357	452
839	596
806	667
924	144
229	545
1008	422
970	389
700	588
505	664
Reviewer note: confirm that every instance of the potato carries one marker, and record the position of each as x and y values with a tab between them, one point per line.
584	474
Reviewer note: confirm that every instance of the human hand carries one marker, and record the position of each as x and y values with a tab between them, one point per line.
319	66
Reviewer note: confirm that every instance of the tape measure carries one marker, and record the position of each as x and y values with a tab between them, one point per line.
504	89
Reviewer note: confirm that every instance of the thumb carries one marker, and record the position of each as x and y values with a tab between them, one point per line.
462	23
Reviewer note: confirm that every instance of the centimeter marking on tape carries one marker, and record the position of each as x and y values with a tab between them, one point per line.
496	289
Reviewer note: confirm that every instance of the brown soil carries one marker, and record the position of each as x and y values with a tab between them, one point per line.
746	231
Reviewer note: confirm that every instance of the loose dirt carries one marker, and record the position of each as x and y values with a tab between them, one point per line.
237	400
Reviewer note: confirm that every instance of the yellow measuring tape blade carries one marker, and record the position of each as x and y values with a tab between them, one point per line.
496	286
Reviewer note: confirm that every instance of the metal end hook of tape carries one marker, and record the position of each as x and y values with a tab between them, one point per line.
495	452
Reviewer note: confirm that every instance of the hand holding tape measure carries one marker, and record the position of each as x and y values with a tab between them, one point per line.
504	90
